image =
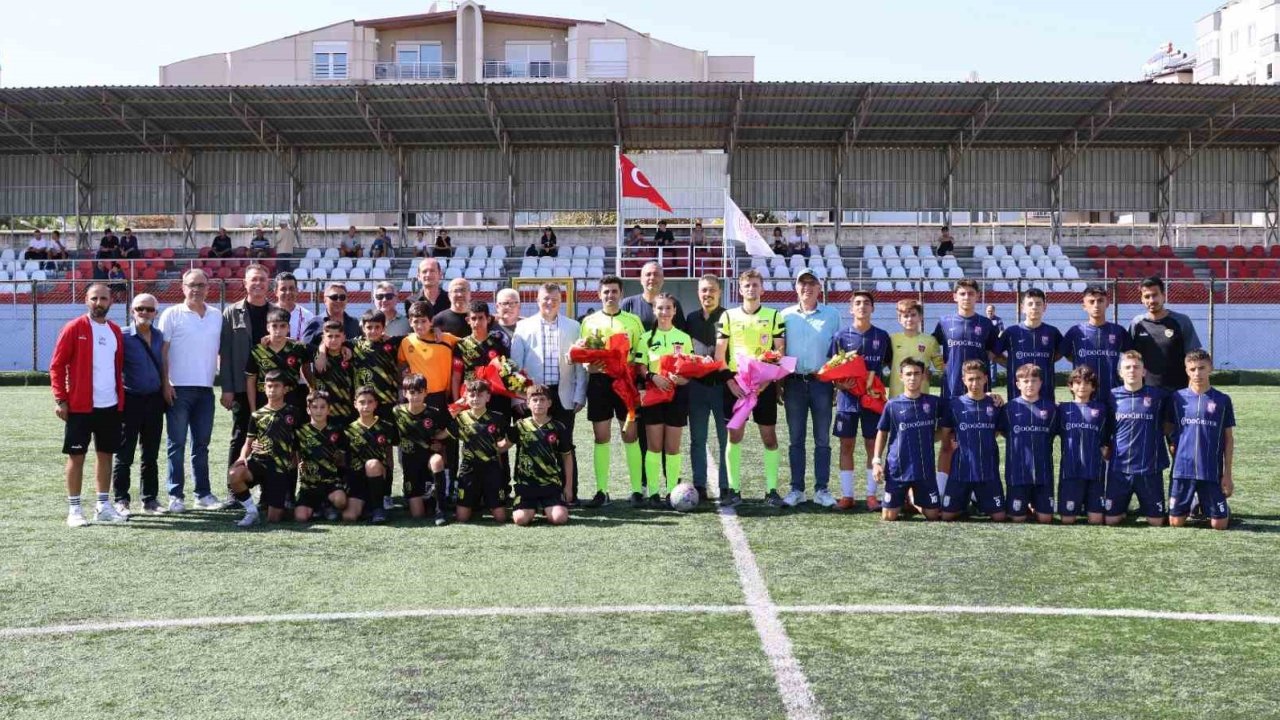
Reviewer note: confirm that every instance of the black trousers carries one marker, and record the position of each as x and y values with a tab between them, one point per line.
239	427
565	416
143	420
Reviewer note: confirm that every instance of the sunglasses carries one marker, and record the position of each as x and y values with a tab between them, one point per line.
384	296
144	309
337	298
197	286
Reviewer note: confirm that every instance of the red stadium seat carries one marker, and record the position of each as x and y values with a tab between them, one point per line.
1257	251
1129	251
1202	251
1092	251
1147	251
150	253
1111	251
1239	251
1221	251
205	252
167	254
240	252
1275	251
150	274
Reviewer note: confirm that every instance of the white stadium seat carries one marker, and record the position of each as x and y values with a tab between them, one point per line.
580	251
879	273
462	252
999	251
313	253
955	273
331	254
597	252
830	251
906	251
480	251
346	263
842	286
1054	251
1018	251
980	251
499	252
338	274
870	251
888	251
898	273
357	274
839	271
993	272
1036	251
364	263
884	286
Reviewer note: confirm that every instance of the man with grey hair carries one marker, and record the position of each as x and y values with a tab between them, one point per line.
143	406
454	320
335	309
192	332
244	325
508	311
386	298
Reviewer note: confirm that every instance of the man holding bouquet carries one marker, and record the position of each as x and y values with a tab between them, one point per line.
751	331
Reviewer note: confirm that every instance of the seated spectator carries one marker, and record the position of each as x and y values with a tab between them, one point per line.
532	250
101	270
221	247
663	237
421	248
350	245
444	244
109	246
56	250
698	236
116	277
549	247
781	247
259	246
637	239
37	249
381	245
129	245
946	244
799	243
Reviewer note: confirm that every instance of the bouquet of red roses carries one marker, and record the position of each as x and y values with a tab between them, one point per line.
504	377
690	367
616	357
849	367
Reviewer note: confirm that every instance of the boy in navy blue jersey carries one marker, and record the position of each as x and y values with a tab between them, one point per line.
971	419
963	337
1203	446
1138	430
875	347
908	427
1027	424
1082	423
1033	341
1097	342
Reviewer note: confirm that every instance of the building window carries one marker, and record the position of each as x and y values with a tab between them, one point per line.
1234	43
528	59
1268	71
1251	35
607	59
329	61
421	61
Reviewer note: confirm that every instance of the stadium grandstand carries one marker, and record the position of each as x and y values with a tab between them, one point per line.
1030	176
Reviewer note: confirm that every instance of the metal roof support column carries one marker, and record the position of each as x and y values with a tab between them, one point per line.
1164	197
954	155
1272	215
1055	195
402	195
84	199
186	165
292	166
504	144
838	189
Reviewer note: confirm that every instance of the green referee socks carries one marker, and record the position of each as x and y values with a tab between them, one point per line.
673	470
633	464
771	458
733	466
653	470
601	459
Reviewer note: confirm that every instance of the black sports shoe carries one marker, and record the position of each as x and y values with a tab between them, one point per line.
774	500
637	500
600	499
730	498
657	503
441	520
378	515
702	495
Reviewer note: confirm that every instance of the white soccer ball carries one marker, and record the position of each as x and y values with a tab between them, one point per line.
684	497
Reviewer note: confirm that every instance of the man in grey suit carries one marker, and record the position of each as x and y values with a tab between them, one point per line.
540	346
244	324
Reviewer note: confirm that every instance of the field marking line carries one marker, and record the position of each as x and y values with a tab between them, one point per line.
223	620
1031	610
793	686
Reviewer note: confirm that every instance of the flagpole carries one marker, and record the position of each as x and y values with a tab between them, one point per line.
617	177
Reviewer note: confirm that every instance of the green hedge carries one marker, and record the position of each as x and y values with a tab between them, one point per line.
24	378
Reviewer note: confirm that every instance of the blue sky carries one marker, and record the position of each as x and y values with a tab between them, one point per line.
83	42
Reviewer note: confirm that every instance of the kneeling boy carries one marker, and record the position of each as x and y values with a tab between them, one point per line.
544	462
482	433
269	455
1203	446
372	438
908	427
1027	424
975	471
322	463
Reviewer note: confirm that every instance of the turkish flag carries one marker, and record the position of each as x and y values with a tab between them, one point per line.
636	185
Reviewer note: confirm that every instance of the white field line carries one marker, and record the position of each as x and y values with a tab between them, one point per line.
1030	610
793	686
214	621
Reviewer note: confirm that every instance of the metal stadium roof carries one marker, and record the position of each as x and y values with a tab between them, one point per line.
639	115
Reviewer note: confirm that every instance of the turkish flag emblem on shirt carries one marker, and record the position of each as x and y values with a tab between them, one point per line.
636	185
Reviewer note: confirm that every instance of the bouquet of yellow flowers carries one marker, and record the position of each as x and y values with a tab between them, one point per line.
504	377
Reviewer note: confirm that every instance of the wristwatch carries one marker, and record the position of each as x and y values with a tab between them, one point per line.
877	461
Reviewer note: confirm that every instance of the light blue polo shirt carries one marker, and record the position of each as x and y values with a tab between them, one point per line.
809	336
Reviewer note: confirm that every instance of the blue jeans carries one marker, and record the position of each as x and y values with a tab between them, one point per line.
706	402
192	408
804	397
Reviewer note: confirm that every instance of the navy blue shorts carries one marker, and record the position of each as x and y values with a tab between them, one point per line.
1121	487
846	425
1212	500
988	496
924	493
1079	495
1025	498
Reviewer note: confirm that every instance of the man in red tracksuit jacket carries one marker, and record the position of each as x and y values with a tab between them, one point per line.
87	374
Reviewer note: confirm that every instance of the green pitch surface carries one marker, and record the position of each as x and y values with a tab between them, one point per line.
597	659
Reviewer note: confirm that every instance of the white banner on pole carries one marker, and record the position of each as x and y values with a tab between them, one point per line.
739	229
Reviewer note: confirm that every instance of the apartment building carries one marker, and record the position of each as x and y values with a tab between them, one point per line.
467	44
1239	42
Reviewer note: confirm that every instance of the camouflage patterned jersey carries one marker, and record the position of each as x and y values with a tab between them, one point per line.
324	454
275	432
540	452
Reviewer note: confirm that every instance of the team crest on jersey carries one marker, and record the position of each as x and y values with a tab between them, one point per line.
1211	406
1111	339
1094	412
875	344
493	429
1044	414
382	439
1168	333
977	330
288	420
291	361
1146	402
426	423
333	437
925	406
493	354
386	347
920	348
346	364
1044	339
991	411
552	438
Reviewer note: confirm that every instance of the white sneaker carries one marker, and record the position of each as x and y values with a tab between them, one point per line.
176	505
76	518
824	498
249	520
122	507
108	514
388	504
794	498
209	502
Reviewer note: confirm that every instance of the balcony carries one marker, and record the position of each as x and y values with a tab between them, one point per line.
537	70
1269	45
415	71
